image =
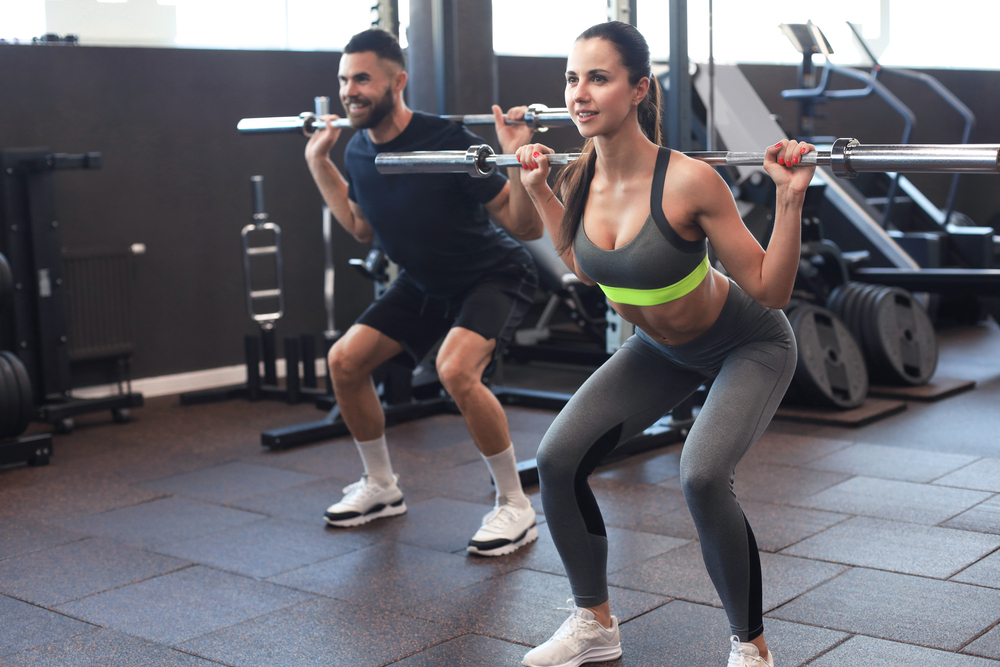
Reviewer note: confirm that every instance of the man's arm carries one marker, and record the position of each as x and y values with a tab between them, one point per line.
332	185
512	208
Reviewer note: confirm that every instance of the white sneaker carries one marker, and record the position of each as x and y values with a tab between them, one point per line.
578	640
365	501
505	528
746	654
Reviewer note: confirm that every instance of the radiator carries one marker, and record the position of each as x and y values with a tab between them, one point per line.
98	289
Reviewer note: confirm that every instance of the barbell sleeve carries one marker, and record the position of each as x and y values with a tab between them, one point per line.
847	158
537	116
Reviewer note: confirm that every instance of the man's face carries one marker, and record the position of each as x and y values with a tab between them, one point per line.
366	88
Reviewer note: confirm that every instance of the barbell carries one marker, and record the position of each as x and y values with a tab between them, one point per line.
537	116
847	158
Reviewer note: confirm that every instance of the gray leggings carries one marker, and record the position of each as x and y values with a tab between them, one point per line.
750	351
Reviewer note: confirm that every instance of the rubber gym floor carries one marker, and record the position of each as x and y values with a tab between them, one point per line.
177	540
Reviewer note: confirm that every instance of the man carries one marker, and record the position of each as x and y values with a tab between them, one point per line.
463	278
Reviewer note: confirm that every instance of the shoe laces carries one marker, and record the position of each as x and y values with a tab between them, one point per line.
500	517
358	490
737	658
574	629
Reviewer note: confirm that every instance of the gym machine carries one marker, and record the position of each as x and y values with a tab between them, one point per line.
38	327
298	349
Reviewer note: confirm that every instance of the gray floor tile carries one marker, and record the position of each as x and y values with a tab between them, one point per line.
899	547
912	465
791	450
649	468
898	607
26	626
626	504
625	548
441	524
677	523
682	634
681	573
898	501
983	475
984	573
78	569
781	484
18	538
320	632
182	605
862	650
265	548
104	648
777	526
229	481
162	521
982	518
987	645
305	502
521	606
467	651
391	575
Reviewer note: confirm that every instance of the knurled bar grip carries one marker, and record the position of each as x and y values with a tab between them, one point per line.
538	116
847	158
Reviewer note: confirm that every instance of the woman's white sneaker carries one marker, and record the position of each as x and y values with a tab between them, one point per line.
505	528
578	640
745	654
364	501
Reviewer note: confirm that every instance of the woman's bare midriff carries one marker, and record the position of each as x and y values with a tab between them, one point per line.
681	321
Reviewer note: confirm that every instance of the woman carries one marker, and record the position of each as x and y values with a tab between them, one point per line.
633	218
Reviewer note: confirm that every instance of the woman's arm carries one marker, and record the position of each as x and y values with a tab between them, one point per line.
767	276
534	179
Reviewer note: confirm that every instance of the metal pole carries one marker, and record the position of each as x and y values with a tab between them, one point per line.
679	96
710	141
847	158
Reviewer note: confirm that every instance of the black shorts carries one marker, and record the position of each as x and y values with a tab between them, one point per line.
493	308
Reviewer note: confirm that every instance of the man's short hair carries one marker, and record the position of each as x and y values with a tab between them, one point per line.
381	42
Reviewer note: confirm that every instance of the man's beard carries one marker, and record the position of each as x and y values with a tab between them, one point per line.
376	112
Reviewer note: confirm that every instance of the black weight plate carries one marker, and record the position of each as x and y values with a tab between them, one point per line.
859	314
10	400
830	370
24	385
836	300
874	354
907	337
849	316
6	284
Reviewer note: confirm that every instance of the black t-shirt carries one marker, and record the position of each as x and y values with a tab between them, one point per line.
433	225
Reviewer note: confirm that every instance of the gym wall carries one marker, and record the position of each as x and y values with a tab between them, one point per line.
176	173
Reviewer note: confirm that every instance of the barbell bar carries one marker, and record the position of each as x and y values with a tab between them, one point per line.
537	116
847	158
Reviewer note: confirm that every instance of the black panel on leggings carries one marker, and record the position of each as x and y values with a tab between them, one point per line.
584	496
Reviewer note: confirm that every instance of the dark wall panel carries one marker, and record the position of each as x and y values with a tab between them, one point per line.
176	173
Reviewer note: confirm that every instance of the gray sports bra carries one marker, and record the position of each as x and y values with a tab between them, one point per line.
656	266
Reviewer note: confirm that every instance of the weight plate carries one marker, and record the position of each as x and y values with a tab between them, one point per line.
6	284
830	370
874	354
861	315
836	300
27	412
907	338
10	400
850	317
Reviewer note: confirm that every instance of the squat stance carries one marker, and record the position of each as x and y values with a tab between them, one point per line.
633	217
463	278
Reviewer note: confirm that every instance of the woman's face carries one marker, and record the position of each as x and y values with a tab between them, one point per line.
598	93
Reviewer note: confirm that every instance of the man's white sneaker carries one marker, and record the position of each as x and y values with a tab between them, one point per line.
745	654
505	528
578	640
364	501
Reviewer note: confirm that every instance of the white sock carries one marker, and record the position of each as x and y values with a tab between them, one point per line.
375	456
503	467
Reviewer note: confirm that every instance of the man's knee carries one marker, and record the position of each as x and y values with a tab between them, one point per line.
457	374
349	362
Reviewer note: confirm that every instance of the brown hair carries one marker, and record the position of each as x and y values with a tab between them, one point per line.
573	184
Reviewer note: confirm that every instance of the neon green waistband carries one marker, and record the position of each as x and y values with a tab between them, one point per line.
654	297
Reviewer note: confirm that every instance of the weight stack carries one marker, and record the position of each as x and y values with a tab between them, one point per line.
830	371
893	329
